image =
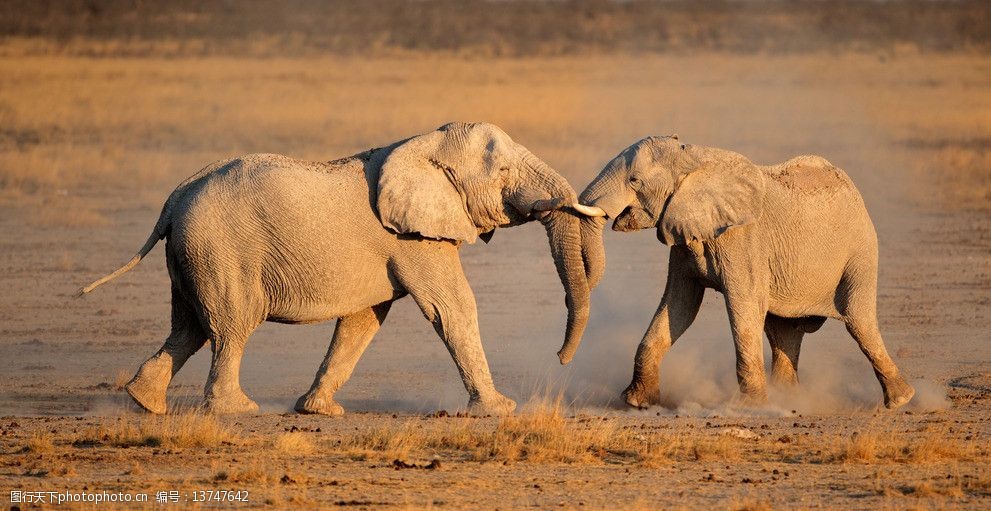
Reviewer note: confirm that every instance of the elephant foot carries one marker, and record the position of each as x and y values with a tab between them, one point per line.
897	393
148	387
751	398
148	396
229	405
492	404
638	395
784	379
318	405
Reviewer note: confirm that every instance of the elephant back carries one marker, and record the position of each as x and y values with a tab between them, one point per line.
810	175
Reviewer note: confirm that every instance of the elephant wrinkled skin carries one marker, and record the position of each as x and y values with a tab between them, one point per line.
265	237
788	246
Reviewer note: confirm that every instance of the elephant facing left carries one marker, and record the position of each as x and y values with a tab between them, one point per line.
266	237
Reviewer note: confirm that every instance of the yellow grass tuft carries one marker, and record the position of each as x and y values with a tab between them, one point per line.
720	447
937	445
40	442
179	430
296	443
750	505
861	447
930	489
540	434
933	446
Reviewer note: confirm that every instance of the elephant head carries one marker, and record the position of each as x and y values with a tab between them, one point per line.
462	181
687	192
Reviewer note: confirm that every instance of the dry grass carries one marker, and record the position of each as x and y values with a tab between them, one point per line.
931	446
40	442
952	487
296	444
750	505
541	443
540	434
186	429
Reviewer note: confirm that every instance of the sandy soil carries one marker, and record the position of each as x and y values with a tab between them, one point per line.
90	147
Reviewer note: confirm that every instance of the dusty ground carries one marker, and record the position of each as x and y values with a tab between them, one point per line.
90	147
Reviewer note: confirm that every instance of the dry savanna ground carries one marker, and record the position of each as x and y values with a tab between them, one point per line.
543	457
91	145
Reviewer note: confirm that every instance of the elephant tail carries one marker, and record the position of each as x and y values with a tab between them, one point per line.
160	231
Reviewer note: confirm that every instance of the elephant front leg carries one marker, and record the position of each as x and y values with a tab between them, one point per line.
351	337
746	316
679	306
439	286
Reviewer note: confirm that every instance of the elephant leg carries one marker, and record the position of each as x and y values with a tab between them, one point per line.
231	321
860	315
351	337
746	316
786	343
149	385
896	390
223	392
438	284
679	306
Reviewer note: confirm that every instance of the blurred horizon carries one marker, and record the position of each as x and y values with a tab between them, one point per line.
487	28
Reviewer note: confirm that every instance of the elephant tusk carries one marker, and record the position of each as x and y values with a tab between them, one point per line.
588	210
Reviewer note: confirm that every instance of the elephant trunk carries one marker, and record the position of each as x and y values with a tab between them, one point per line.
608	191
564	232
593	250
604	192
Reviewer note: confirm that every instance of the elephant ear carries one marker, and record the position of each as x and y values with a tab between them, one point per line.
416	193
712	199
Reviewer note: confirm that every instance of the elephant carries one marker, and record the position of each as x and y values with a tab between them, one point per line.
788	245
265	237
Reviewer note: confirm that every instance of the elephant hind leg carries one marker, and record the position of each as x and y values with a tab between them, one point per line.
352	335
149	385
233	315
785	337
859	310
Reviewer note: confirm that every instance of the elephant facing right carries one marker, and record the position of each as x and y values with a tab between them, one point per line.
787	245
